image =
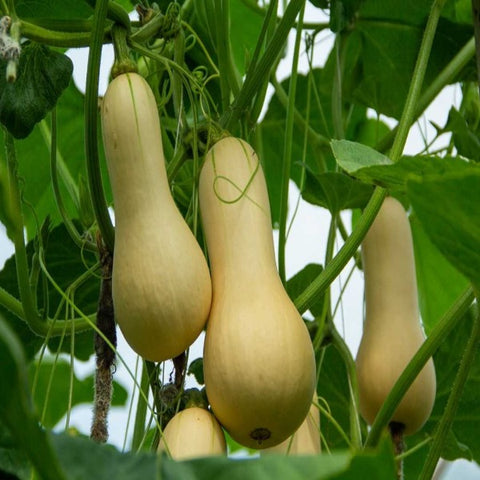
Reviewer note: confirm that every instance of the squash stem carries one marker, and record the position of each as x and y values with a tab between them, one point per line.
408	114
91	108
333	269
445	423
287	154
250	86
443	328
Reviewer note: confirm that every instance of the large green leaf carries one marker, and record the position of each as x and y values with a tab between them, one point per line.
370	166
65	264
379	71
447	207
34	162
58	9
52	390
43	75
335	191
439	283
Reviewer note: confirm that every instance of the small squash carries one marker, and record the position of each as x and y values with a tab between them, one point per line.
161	283
192	433
306	440
392	330
259	363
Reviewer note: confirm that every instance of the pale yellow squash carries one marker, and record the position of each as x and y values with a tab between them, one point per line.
161	282
392	330
192	433
258	358
306	440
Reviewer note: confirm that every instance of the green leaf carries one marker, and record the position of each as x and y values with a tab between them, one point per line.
65	264
43	75
245	28
353	156
18	412
52	390
56	9
379	72
14	464
447	207
332	389
439	282
335	191
87	460
340	465
301	280
369	166
465	139
196	369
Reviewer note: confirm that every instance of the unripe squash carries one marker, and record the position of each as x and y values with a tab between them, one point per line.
259	363
161	283
306	440
392	330
191	433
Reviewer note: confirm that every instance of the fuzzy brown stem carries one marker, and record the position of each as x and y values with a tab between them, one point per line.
396	432
105	355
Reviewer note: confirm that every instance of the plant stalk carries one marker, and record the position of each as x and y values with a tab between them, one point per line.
446	421
91	108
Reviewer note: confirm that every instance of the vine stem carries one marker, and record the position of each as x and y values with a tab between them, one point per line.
91	146
287	154
437	336
252	80
444	426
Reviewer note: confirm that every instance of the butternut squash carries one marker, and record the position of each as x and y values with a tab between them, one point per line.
161	283
259	363
306	440
191	433
392	330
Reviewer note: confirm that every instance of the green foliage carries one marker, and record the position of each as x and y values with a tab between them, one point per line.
42	76
438	199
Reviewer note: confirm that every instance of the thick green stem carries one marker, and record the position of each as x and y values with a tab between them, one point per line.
287	154
443	328
123	63
445	423
250	86
57	38
409	110
333	269
91	146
